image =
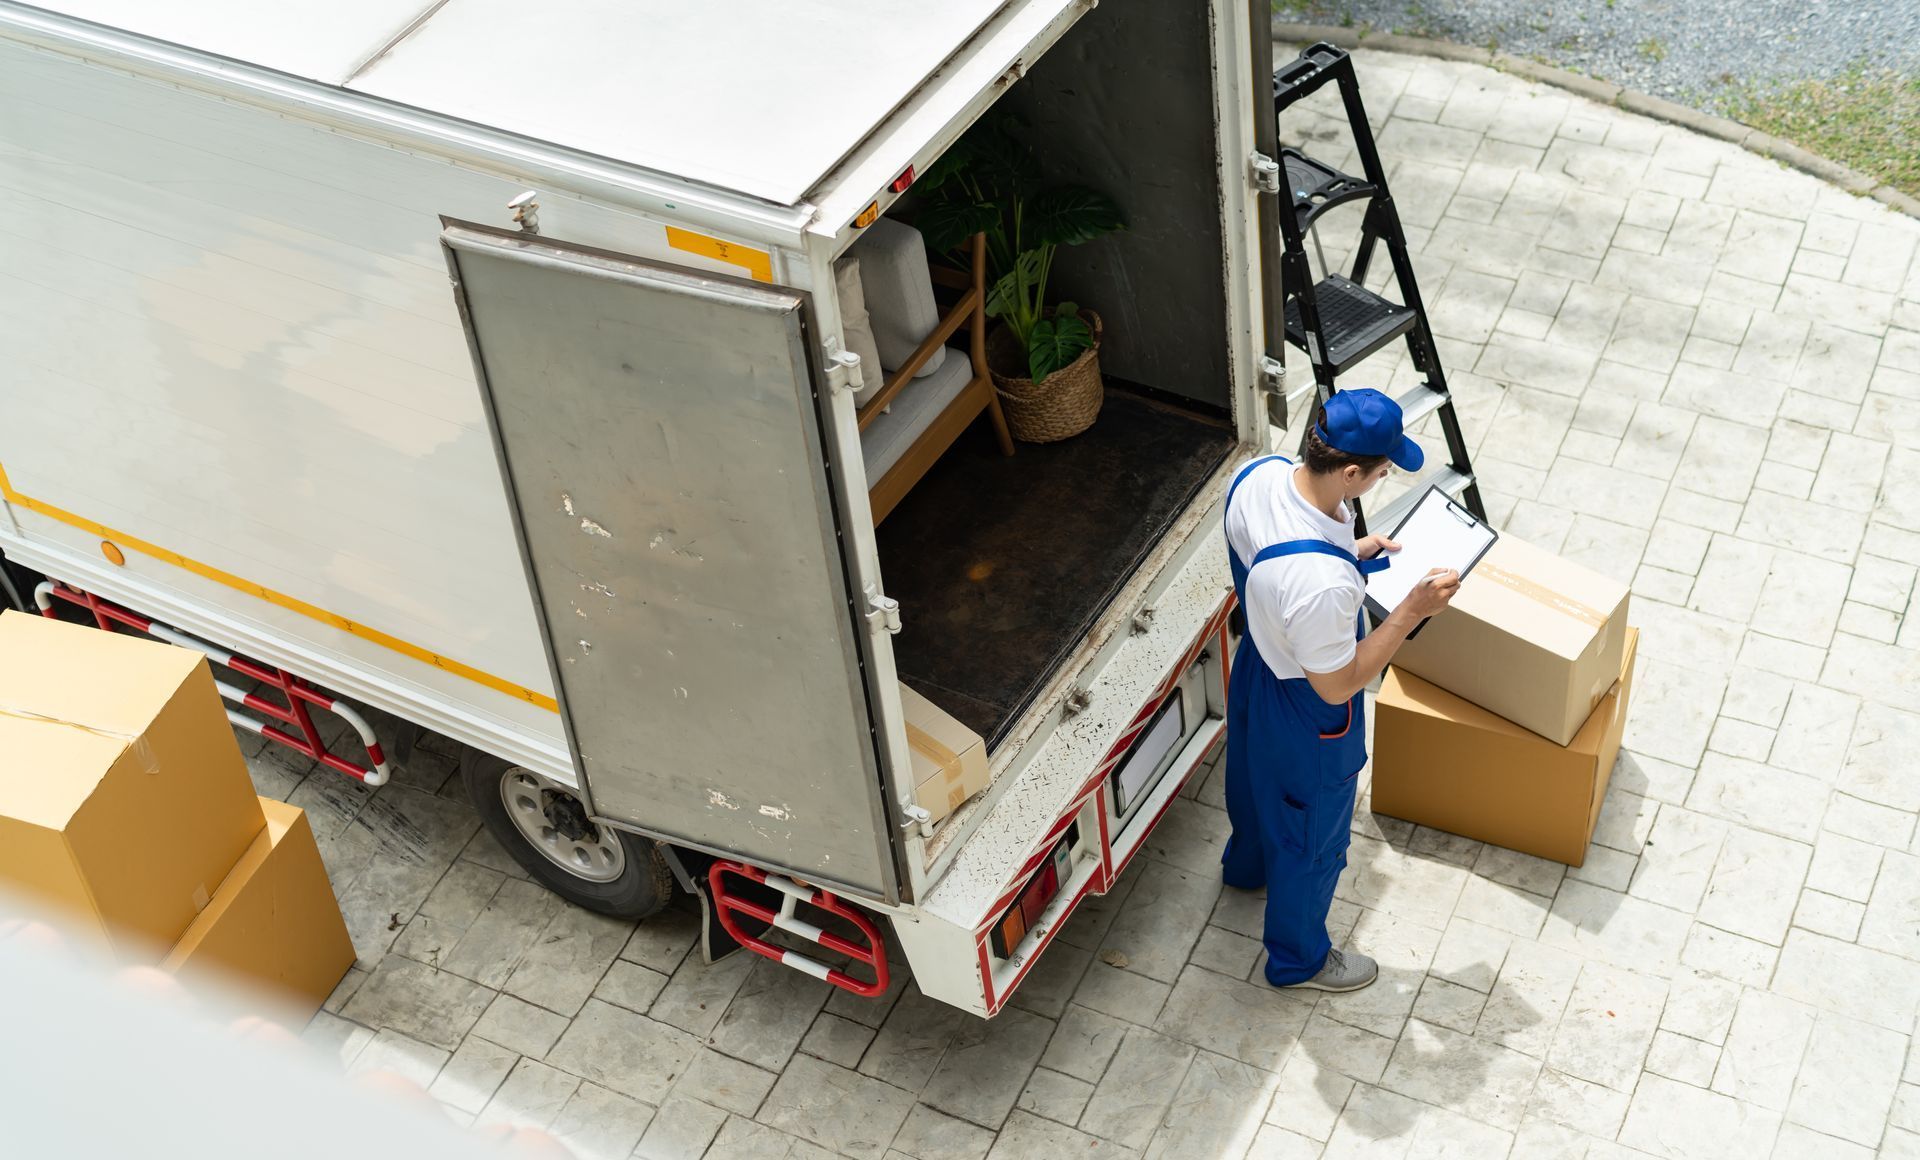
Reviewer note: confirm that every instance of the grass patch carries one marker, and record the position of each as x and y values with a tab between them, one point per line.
1867	118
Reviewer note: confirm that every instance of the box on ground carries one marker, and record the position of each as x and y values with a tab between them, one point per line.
1530	636
273	925
1443	762
124	800
949	759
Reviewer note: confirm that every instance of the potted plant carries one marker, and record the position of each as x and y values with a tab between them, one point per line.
1044	357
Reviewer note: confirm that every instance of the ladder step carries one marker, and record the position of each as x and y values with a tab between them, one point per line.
1354	321
1419	402
1317	187
1351	322
1388	516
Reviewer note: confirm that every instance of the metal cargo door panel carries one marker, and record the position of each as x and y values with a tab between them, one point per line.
659	436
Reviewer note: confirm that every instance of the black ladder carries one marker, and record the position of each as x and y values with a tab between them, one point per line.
1337	320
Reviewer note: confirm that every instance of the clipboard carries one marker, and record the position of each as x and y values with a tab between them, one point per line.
1438	532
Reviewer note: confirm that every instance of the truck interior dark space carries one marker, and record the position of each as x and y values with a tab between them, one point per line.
1002	565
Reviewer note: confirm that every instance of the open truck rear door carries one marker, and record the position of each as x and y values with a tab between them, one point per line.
659	434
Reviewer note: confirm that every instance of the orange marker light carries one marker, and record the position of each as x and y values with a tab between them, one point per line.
867	216
112	552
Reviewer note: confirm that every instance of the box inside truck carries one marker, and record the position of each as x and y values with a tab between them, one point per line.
1002	564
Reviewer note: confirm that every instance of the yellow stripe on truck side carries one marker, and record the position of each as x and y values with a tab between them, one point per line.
757	263
291	603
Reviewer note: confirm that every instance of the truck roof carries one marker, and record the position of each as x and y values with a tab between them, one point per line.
761	97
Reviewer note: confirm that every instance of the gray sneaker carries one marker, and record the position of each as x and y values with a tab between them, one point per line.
1343	971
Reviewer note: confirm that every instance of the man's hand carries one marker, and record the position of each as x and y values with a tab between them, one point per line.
1432	594
1371	546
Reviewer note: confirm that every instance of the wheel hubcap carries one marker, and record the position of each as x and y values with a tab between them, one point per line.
552	820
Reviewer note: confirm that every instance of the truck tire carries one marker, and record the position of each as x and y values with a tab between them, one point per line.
542	825
16	585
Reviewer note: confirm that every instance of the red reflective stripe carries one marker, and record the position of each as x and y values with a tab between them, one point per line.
1106	874
1215	629
986	977
1215	624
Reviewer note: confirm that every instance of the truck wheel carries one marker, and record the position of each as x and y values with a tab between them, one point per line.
543	825
16	586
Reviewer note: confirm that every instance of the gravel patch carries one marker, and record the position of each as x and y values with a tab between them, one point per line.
1685	50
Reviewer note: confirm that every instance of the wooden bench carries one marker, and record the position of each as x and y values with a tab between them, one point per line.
911	422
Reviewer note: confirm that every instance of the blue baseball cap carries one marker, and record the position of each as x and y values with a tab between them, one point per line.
1365	422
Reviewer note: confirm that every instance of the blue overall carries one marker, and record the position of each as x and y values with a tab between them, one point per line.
1293	764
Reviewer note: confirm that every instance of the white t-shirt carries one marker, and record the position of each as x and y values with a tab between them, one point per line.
1301	609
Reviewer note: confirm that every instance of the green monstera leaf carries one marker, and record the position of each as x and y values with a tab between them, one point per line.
990	183
948	222
957	160
1007	297
1055	342
1068	216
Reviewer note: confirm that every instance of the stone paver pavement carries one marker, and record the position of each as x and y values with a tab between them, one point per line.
1680	365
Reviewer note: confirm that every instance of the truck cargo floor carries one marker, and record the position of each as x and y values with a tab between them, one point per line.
1001	565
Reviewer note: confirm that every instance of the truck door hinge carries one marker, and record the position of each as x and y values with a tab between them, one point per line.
917	817
1143	620
883	612
1265	173
844	371
1273	374
1076	703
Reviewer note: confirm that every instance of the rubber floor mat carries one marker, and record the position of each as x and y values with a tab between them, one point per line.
1002	565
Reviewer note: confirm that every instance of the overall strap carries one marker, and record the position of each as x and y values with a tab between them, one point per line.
1241	477
1320	547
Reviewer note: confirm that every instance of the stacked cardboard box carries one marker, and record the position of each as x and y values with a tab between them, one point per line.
949	759
126	809
273	922
1502	719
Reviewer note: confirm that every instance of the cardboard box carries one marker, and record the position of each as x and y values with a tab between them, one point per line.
949	759
273	926
1529	636
124	800
1443	762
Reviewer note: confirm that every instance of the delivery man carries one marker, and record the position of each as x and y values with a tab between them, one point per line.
1296	727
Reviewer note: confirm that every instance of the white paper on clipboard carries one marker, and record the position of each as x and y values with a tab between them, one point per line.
1437	533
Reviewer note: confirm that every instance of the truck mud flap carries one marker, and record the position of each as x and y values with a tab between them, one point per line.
690	868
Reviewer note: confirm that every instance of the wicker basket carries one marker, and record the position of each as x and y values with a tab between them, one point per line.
1059	406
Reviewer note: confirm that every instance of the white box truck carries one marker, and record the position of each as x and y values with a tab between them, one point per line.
482	364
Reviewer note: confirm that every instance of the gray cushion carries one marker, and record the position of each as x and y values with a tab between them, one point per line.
899	293
856	329
913	410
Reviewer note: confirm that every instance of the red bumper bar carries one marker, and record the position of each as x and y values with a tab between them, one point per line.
874	953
